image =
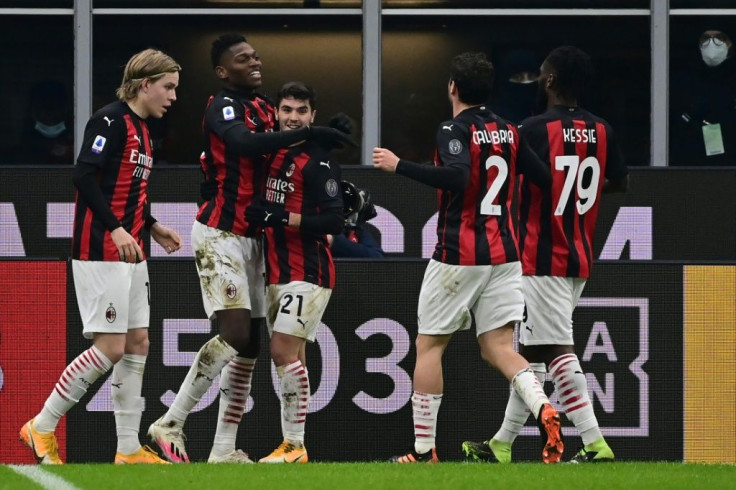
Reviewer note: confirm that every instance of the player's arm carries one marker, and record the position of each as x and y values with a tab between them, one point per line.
329	220
531	166
454	173
102	139
617	173
324	182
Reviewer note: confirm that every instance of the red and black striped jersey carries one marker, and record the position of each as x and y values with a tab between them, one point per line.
556	224
474	226
116	141
304	180
238	177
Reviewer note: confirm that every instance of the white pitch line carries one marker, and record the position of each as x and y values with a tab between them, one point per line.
44	478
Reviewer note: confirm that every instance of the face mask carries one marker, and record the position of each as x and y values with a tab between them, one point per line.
714	55
50	131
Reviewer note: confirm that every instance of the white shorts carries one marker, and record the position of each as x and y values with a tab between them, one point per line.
113	297
296	308
231	270
451	293
550	301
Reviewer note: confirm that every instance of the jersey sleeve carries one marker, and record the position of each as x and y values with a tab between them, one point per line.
104	136
452	144
616	168
223	114
323	175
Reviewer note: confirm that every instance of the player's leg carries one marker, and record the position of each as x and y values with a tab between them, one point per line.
562	295
571	384
441	311
235	385
220	262
294	316
426	398
236	376
104	317
127	375
498	448
499	307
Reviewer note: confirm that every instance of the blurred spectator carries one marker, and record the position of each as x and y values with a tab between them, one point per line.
516	95
48	134
703	106
356	240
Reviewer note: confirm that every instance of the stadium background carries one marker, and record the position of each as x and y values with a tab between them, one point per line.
654	330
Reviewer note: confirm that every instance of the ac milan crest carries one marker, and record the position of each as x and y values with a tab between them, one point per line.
231	290
290	170
111	314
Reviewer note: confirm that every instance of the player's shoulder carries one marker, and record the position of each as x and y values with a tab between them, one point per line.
112	112
223	99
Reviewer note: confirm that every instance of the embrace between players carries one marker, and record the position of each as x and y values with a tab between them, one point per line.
282	185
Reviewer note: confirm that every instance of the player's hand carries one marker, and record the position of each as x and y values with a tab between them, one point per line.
128	248
330	138
208	189
166	237
341	122
385	160
263	213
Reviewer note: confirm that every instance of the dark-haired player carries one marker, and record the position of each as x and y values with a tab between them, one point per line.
475	270
302	203
238	131
108	263
556	242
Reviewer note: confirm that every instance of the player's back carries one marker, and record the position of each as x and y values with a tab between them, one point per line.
238	177
556	224
474	226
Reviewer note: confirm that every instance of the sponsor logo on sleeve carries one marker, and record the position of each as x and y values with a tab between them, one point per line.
455	146
98	144
331	187
228	113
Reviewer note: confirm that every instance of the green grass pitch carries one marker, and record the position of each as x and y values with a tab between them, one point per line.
380	476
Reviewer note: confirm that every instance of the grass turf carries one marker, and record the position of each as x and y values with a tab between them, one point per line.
379	476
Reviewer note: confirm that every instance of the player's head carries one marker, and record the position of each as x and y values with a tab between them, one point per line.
715	47
567	72
471	78
149	81
236	63
295	106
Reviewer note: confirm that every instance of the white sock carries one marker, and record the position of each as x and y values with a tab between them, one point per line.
572	391
71	387
235	383
527	386
425	408
211	358
127	382
295	395
517	412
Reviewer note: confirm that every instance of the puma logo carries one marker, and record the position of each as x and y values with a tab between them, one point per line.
118	385
109	121
137	138
268	215
225	391
449	128
303	323
325	164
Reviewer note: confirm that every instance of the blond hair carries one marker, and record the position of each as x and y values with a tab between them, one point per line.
149	63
